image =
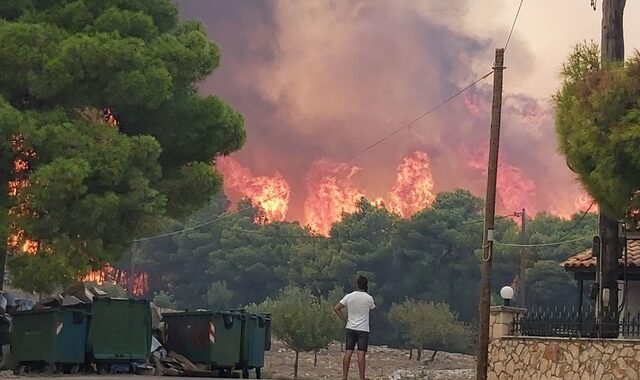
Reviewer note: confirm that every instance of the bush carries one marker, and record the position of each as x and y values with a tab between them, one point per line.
164	300
430	325
304	322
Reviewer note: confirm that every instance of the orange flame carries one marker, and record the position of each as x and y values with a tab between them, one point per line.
109	274
19	181
581	204
514	189
270	194
330	194
413	190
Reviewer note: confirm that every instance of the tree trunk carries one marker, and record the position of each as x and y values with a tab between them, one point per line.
612	43
433	355
612	46
295	366
610	252
410	353
315	358
419	354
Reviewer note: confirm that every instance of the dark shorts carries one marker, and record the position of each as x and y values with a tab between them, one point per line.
361	338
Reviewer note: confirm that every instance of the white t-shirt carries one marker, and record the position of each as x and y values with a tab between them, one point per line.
358	305
11	299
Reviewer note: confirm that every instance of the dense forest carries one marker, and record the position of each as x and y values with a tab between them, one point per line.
230	260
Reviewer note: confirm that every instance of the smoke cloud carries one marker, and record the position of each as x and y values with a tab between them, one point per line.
319	80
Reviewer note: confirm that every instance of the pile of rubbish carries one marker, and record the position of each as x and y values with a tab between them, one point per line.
80	294
174	364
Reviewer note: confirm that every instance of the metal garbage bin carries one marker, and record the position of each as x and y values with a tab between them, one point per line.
49	336
119	330
259	333
205	337
256	339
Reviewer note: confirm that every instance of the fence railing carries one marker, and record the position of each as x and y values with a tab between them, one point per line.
571	323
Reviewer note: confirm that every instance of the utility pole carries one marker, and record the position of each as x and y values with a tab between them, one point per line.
522	283
612	50
489	218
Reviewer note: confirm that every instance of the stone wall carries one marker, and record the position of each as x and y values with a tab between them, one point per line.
562	358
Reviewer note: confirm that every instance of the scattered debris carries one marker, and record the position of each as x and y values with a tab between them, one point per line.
174	364
80	294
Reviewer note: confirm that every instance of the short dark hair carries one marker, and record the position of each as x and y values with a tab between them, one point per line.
363	283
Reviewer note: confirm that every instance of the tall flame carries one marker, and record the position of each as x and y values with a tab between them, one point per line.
20	180
581	204
120	277
330	193
270	194
23	157
413	190
513	188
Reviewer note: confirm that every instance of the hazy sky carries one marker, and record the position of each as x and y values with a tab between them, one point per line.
546	31
321	79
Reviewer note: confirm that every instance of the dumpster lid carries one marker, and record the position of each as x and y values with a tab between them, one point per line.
48	310
176	314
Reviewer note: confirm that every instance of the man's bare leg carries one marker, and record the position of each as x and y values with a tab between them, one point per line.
362	361
346	362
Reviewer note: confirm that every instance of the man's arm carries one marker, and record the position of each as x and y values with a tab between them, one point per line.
338	309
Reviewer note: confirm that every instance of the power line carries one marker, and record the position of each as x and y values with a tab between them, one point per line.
407	125
578	222
367	148
362	151
543	244
219	218
513	26
278	235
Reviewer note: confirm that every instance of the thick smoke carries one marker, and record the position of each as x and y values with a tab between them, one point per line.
320	80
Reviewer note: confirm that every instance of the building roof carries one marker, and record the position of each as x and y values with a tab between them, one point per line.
585	262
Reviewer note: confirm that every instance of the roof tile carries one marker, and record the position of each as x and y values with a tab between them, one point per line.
584	260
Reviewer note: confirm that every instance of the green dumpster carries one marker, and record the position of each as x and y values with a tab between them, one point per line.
120	330
267	331
53	336
256	339
257	342
205	337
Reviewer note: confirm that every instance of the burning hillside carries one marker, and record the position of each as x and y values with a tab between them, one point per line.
331	190
320	80
270	194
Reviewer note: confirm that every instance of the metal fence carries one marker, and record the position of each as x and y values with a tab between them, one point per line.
571	323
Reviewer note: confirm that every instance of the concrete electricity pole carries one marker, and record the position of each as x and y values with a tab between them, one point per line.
489	219
612	50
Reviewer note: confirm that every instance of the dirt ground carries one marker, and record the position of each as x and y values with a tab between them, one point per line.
382	363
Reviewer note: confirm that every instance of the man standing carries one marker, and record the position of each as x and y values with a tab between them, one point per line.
358	305
7	305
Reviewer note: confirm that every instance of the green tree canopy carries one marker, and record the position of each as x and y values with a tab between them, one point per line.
430	325
301	320
598	124
434	253
93	186
549	285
